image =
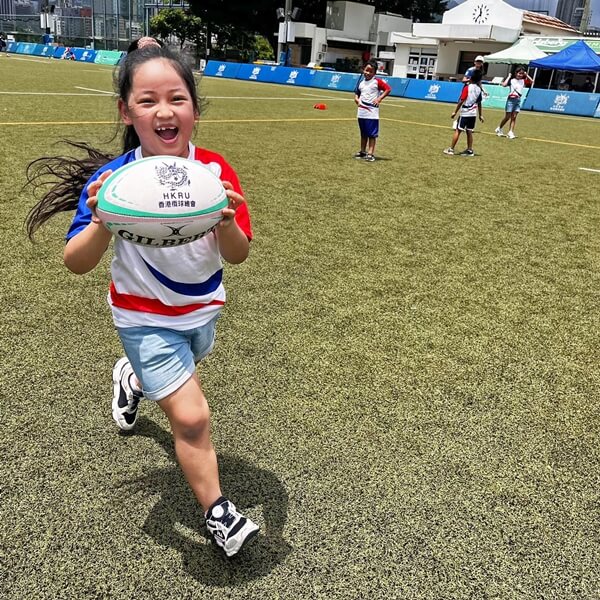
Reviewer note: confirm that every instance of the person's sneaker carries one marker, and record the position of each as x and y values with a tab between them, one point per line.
370	158
467	152
125	401
360	154
230	529
449	151
511	135
499	132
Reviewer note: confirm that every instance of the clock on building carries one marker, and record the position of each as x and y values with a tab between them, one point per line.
481	13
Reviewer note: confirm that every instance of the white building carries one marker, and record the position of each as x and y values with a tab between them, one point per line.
352	31
445	50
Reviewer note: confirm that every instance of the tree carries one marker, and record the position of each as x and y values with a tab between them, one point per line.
170	21
260	17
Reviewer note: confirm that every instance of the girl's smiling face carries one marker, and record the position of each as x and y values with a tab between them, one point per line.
160	108
368	72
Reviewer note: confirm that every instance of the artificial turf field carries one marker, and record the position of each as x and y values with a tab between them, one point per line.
405	386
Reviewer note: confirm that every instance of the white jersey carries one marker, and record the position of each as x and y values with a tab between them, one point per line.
178	287
368	91
516	88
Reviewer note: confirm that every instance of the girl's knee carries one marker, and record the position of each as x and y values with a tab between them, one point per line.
192	426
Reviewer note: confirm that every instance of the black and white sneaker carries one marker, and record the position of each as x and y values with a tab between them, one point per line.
360	154
125	401
467	152
370	158
230	529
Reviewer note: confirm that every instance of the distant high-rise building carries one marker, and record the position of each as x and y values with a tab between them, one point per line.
571	11
7	7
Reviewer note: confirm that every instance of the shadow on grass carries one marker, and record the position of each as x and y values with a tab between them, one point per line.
176	520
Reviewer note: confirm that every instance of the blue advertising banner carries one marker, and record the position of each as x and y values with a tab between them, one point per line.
253	72
439	91
333	80
108	57
398	85
597	113
39	49
292	76
25	48
12	47
84	55
562	102
221	69
47	50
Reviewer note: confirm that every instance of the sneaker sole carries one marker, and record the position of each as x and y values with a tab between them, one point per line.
248	532
123	425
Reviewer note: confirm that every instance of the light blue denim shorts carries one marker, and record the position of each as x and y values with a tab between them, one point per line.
164	359
513	105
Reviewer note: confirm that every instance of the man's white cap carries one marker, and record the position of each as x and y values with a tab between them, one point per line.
477	58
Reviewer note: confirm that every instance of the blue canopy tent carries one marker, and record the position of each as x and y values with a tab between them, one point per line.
577	57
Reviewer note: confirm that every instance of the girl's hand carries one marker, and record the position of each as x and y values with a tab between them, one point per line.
481	118
235	200
453	115
93	190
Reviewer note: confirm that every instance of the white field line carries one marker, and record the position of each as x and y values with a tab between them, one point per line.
590	170
51	94
93	90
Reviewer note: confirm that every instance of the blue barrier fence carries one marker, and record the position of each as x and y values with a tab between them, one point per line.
572	103
562	103
79	54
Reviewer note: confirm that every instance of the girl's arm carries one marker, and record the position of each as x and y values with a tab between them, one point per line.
234	245
84	251
506	80
460	103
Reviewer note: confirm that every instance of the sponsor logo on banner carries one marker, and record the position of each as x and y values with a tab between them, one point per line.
335	80
292	77
560	103
432	92
255	73
220	70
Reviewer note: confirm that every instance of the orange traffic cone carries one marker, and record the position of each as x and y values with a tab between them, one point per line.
320	106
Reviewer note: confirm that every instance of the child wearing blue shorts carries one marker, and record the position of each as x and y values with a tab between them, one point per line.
369	93
516	82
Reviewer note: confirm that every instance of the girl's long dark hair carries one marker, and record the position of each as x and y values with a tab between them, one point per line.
67	175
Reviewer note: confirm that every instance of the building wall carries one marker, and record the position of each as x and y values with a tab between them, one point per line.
350	17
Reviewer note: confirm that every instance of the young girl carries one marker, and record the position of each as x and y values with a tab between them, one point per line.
165	301
513	102
369	93
469	105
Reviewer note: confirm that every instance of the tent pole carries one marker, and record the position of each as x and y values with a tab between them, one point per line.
534	76
596	82
551	75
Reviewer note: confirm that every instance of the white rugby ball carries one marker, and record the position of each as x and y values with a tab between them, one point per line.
161	201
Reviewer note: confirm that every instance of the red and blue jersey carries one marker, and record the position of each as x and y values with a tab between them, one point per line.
367	91
178	287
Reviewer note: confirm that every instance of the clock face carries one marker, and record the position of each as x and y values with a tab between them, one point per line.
481	13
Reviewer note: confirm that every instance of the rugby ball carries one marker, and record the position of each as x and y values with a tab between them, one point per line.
161	201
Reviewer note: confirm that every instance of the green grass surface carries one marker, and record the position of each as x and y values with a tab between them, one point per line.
405	386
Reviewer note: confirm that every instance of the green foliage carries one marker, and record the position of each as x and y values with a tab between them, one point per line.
176	22
263	48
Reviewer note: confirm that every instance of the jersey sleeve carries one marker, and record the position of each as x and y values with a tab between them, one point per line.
464	93
383	86
83	215
226	173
